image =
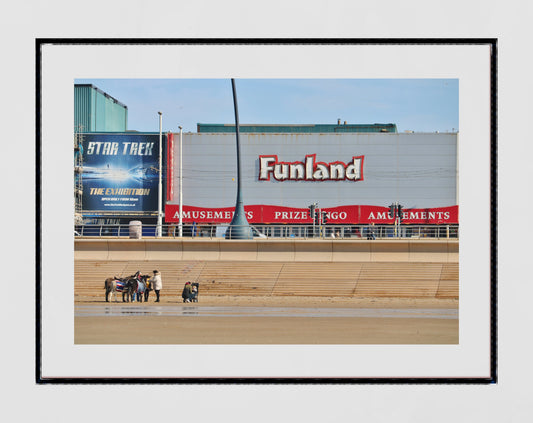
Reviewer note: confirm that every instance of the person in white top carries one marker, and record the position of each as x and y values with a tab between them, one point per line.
157	284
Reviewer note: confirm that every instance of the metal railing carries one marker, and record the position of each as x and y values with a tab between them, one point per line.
274	231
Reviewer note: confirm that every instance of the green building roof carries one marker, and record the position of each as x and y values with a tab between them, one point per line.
311	128
97	111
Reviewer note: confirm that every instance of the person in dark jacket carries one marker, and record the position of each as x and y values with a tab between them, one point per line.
186	294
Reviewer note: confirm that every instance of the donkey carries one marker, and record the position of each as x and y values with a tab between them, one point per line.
114	285
137	287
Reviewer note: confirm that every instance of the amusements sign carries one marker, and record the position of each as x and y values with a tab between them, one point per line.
342	215
120	172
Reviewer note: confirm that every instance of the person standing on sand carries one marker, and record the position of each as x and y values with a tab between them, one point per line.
157	284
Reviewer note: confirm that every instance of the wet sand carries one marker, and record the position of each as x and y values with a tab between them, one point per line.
164	329
287	301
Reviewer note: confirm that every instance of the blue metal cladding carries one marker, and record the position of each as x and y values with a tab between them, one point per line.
301	129
96	111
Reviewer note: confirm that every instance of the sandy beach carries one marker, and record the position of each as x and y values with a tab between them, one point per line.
153	329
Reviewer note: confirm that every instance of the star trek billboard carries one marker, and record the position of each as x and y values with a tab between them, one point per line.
120	172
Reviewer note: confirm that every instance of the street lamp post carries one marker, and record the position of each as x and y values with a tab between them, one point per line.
160	185
181	186
239	227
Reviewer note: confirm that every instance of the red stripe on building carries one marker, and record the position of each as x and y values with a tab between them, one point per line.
342	215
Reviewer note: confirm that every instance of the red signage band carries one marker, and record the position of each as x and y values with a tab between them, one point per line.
342	215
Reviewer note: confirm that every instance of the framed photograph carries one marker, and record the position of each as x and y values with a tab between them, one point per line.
389	326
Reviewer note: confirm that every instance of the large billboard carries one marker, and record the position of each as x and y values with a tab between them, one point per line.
120	172
352	176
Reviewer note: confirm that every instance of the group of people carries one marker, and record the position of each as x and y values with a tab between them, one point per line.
154	283
189	293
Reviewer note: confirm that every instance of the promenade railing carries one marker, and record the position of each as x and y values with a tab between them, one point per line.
272	231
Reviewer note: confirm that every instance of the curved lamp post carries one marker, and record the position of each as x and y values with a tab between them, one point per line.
181	185
160	184
239	227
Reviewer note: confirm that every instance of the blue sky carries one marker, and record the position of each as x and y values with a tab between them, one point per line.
420	105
